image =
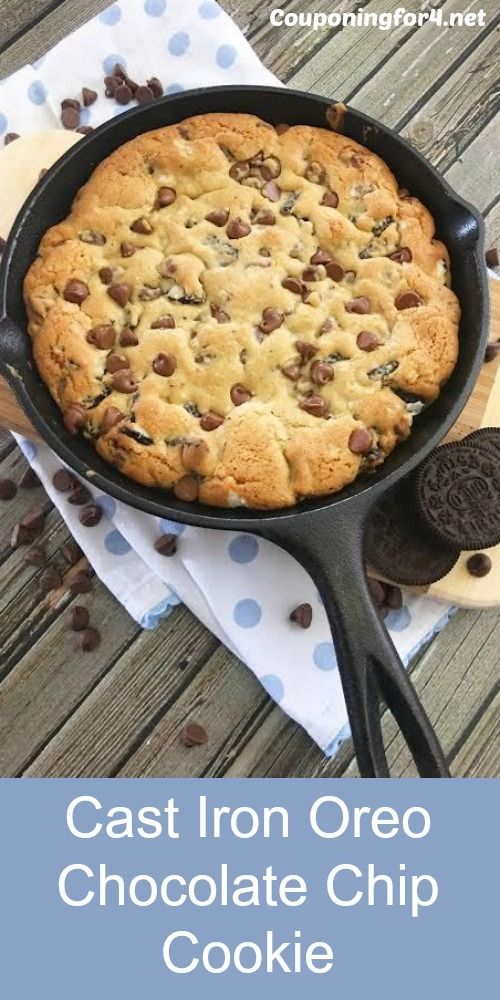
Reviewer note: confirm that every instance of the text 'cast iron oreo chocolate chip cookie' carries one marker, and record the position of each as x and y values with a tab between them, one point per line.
398	546
458	494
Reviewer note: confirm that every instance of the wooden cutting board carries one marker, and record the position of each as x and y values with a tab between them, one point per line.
20	166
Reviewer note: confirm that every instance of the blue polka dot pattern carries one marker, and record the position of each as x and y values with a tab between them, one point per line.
37	92
247	613
155	8
3	123
171	527
174	88
397	621
29	448
111	16
273	686
109	62
116	543
107	505
178	44
243	548
324	656
84	116
208	10
225	56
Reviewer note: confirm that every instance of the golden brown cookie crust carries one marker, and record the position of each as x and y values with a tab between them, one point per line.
234	367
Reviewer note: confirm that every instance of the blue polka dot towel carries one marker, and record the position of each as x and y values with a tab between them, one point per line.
242	588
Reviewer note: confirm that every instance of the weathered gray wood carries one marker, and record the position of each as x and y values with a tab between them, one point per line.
479	757
17	15
44	35
475	174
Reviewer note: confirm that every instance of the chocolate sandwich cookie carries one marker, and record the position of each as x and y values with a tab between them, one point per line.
487	438
397	544
458	494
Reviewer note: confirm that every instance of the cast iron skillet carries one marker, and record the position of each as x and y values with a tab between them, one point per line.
325	535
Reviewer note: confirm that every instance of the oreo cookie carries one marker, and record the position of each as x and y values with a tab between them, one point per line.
397	544
458	492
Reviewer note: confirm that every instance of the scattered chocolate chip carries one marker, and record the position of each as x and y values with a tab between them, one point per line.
84	129
10	137
360	441
209	421
77	618
102	337
124	381
128	337
237	229
90	515
322	372
19	536
62	480
491	257
359	305
81	583
293	285
367	341
33	522
292	370
219	314
93	237
272	191
281	128
165	197
88	639
313	273
70	102
29	479
127	249
164	364
74	418
334	271
36	556
8	489
164	323
393	597
148	294
144	94
408	300
330	199
70	118
302	615
79	495
155	85
106	275
271	320
186	489
239	394
72	551
120	293
76	292
492	351
314	405
320	257
218	217
306	350
50	579
88	96
264	217
116	363
479	564
193	735
166	545
315	172
42	173
142	226
401	256
123	94
111	417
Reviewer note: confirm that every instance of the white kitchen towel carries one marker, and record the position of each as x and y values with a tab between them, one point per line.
242	588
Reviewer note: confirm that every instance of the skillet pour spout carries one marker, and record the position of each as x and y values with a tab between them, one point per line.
325	535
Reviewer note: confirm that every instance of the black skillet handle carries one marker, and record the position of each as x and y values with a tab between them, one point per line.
329	546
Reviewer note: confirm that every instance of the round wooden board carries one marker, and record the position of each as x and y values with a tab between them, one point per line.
20	165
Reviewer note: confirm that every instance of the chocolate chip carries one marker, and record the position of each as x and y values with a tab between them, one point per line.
491	353
393	597
359	305
166	545
281	128
315	405
74	418
239	170
111	417
264	217
293	285
33	522
292	370
124	381
320	257
142	225
271	320
322	372
88	639
128	249
313	273
367	341
123	94
327	326
88	96
19	536
377	590
272	191
408	300
10	137
144	94
164	323
218	217
334	271
271	168
209	421
36	556
128	337
236	229
491	257
72	551
90	515
8	489
50	579
106	275
79	495
62	480
77	618
102	337
186	489
330	199
193	735
239	394
116	363
29	480
70	118
401	256
164	364
302	615
42	173
315	172
479	564
156	86
93	237
84	129
306	350
219	314
148	294
360	441
70	102
120	293
165	197
81	583
76	292
119	71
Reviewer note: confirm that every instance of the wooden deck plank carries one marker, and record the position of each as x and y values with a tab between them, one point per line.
479	757
17	16
57	23
475	174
